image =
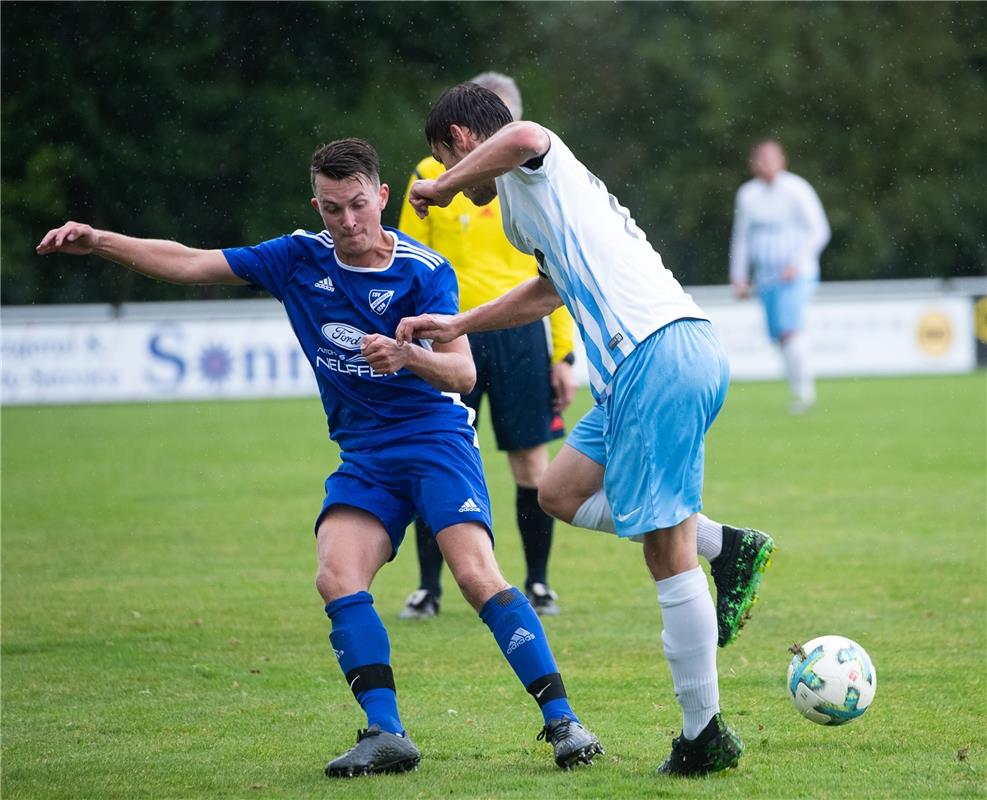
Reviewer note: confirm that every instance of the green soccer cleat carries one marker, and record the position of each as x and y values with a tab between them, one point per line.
737	573
573	744
716	748
376	752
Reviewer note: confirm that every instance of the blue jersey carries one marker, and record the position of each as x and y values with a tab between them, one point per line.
332	306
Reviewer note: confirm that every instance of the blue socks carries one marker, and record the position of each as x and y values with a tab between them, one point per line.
363	651
521	638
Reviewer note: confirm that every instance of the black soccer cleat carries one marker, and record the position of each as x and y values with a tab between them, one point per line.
543	600
737	573
421	604
717	748
376	752
573	744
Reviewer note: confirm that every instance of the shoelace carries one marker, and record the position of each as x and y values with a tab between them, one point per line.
556	732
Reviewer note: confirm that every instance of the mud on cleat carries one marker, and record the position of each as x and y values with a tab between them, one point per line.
573	744
376	752
717	748
737	573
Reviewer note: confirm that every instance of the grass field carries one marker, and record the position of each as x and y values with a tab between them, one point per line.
162	637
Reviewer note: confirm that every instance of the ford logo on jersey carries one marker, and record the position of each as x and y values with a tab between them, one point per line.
346	336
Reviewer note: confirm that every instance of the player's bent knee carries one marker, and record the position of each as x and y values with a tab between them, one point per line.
332	585
478	585
555	503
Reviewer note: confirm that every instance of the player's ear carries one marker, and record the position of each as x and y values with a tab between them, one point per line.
460	136
315	205
385	192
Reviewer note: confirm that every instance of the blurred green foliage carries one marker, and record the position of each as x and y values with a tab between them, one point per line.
196	121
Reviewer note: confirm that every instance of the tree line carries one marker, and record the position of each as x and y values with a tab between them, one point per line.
196	121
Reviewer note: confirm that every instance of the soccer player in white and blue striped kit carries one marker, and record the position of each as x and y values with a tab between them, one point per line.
657	371
780	229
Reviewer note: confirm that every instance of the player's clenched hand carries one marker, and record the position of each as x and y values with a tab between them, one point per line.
426	193
73	238
384	354
439	328
563	386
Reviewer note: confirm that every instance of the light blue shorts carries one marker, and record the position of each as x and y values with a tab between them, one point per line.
649	433
438	478
784	305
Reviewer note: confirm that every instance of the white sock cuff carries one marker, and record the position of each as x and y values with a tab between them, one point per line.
709	537
682	588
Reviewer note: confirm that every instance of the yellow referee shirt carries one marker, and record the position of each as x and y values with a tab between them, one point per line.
486	264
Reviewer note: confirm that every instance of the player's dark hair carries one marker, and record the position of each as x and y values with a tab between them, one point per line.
346	158
469	106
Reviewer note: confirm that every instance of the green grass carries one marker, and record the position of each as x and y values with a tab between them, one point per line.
162	636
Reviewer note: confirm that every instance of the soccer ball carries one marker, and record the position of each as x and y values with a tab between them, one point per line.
831	680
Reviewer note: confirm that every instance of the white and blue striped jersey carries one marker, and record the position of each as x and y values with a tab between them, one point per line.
332	306
602	265
776	225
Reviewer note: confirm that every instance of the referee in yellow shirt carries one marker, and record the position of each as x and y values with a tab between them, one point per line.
528	380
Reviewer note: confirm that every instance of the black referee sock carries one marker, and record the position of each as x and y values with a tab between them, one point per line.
429	559
536	535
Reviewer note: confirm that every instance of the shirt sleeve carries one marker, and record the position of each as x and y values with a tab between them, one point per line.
739	267
268	264
561	325
440	295
817	231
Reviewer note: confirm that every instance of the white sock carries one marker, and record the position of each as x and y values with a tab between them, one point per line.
689	637
801	381
595	514
709	537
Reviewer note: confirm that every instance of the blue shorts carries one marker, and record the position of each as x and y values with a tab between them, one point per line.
587	435
436	477
514	369
784	305
650	431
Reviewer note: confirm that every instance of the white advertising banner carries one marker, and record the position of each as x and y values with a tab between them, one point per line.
134	359
131	360
904	336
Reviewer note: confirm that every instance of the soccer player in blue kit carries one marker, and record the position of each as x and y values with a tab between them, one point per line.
657	372
406	443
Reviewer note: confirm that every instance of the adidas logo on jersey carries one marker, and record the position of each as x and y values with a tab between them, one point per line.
469	505
326	283
518	638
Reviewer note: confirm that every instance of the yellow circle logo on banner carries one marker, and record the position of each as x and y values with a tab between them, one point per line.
935	333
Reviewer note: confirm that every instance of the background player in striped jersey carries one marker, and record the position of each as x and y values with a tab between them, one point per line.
528	383
780	229
655	367
406	443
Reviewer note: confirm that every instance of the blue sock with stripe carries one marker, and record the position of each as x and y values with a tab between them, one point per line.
521	638
360	642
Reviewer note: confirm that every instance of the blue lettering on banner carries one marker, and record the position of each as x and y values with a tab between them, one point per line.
163	354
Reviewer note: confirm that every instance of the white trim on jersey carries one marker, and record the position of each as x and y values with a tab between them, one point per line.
431	260
386	267
322	238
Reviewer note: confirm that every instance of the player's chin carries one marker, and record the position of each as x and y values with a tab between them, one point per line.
483	194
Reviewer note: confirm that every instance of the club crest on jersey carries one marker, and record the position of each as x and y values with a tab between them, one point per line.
380	299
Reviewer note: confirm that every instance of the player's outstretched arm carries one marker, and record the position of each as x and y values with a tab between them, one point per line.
157	258
525	303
